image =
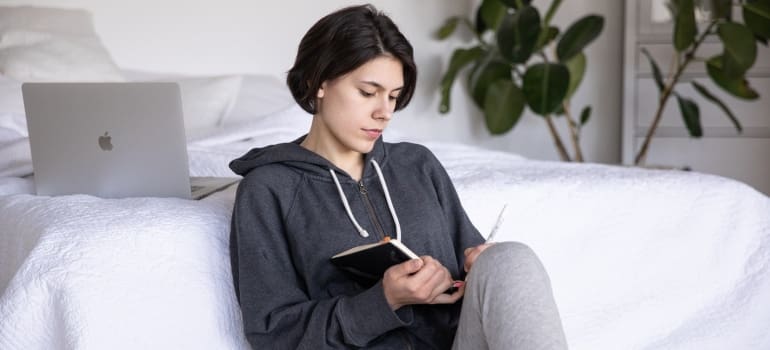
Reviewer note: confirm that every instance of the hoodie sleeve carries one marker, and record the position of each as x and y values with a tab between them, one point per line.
461	229
277	312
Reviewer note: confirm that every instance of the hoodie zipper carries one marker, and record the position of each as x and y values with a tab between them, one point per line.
378	227
370	208
407	340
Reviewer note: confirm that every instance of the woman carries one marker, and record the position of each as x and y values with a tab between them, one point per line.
341	186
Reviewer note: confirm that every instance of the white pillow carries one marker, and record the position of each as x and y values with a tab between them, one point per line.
281	126
51	44
206	101
14	145
260	96
10	96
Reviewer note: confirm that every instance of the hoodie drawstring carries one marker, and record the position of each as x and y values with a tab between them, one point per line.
387	199
360	229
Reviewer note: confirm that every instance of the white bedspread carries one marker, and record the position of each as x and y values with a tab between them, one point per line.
118	274
639	259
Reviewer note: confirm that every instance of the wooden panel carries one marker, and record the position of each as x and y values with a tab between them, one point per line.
663	55
751	114
654	23
722	151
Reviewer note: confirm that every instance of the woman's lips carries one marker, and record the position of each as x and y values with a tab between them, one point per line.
373	133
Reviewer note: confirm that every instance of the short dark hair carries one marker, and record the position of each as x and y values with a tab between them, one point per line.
342	41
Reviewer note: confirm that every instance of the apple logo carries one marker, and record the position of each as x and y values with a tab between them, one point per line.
105	142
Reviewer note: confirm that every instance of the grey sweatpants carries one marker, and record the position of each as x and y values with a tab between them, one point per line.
508	303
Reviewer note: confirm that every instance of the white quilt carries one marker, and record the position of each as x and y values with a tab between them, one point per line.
639	259
118	274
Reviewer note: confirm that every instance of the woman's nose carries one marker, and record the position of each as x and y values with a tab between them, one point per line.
384	109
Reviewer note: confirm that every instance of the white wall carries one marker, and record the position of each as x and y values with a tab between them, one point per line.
240	36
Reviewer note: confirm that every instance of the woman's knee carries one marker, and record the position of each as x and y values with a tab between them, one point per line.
508	256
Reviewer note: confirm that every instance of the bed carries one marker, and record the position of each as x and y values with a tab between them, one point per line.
638	258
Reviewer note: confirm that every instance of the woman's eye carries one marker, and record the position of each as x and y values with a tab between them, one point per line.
393	98
366	94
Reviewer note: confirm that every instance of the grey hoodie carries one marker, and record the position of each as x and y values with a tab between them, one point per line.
289	219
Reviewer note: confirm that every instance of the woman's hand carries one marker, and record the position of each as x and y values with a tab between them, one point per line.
472	253
419	281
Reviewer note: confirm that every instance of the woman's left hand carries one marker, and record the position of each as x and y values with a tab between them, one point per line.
472	253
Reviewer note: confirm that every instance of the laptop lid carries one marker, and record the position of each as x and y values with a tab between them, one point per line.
109	140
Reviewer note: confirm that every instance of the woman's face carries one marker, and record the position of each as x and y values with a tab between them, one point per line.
355	108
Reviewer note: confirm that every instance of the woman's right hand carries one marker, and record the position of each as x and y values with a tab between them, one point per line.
419	281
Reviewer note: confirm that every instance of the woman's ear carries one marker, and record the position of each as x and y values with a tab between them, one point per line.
320	92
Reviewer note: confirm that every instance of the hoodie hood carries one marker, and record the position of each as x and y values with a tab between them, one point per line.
296	156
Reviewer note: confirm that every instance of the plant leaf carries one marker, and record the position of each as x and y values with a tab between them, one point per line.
585	115
514	4
545	86
577	68
740	48
480	26
738	87
578	36
447	28
503	105
471	76
756	15
484	75
655	70
709	96
685	28
690	115
518	34
460	58
545	37
559	111
491	13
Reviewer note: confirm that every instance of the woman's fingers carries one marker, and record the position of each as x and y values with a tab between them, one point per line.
421	281
432	280
472	253
445	298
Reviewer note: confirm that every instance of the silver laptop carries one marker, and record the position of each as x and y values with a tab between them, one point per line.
110	140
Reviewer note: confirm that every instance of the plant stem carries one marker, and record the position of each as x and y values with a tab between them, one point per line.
573	131
666	93
557	140
552	128
551	11
642	155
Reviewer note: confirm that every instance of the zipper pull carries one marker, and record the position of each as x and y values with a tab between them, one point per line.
361	187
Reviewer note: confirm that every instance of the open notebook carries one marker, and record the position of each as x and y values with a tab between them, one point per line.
111	140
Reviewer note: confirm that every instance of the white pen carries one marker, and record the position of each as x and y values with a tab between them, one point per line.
458	284
491	236
497	224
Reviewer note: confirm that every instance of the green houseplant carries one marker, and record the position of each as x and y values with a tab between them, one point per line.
519	59
727	70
